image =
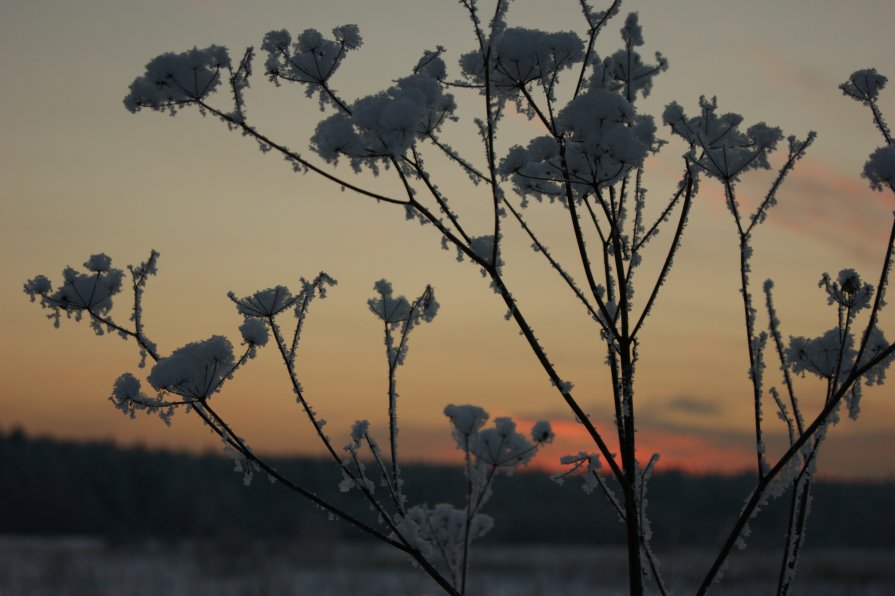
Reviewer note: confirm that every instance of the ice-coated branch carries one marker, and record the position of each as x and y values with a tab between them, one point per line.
487	451
496	194
609	318
758	494
878	300
756	363
393	490
864	86
298	160
399	315
423	175
795	533
196	370
644	237
541	249
595	21
472	8
401	543
645	531
688	186
796	152
474	173
774	329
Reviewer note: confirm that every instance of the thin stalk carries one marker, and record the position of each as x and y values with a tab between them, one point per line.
592	38
880	291
554	377
638	243
295	157
469	514
758	493
774	327
489	152
582	250
754	363
553	263
392	406
296	388
880	122
439	198
666	266
399	506
749	317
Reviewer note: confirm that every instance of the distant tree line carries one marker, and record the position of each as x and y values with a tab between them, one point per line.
50	487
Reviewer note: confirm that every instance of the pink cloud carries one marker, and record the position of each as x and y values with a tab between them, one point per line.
826	205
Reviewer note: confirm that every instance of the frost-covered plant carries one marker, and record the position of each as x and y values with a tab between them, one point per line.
439	538
588	159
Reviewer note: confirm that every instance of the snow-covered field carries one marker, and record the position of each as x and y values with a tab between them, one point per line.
31	567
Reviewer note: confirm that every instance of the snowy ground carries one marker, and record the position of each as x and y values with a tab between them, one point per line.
74	567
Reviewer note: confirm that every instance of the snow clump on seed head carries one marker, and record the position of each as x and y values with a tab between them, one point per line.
174	80
196	370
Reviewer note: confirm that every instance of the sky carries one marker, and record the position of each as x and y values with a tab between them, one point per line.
81	175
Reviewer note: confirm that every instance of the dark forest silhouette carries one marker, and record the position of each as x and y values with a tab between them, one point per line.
50	487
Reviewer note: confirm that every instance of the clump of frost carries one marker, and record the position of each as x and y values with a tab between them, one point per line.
254	333
523	56
196	370
847	291
357	479
483	248
242	464
830	353
717	145
880	168
128	397
442	529
91	291
541	432
584	465
876	344
398	311
310	59
864	85
501	447
386	124
607	137
264	303
359	431
625	71
823	356
39	285
603	139
466	420
175	80
390	309
100	263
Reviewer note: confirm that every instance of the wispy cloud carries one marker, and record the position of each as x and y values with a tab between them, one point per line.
689	404
787	73
835	208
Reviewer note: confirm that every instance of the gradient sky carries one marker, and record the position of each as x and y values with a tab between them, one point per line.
80	175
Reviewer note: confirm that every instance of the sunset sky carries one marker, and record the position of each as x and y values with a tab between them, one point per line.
81	175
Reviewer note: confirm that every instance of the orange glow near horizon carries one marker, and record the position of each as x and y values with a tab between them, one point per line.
81	175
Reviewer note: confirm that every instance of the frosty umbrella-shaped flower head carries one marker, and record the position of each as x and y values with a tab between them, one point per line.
174	80
196	370
264	303
91	291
